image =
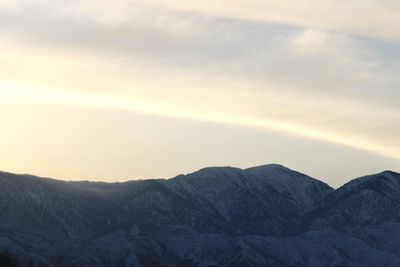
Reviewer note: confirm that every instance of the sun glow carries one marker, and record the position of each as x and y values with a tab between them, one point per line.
24	94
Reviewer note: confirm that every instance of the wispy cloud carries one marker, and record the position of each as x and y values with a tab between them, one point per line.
329	74
373	18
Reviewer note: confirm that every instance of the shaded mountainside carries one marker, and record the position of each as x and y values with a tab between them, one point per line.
221	216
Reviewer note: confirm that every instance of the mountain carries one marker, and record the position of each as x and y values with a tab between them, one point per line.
219	216
267	200
367	208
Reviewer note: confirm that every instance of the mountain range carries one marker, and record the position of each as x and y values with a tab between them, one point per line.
220	216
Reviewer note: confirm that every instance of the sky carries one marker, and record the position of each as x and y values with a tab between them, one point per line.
119	90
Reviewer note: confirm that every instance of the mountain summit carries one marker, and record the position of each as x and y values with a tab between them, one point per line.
219	216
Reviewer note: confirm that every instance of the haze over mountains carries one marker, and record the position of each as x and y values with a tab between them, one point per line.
220	216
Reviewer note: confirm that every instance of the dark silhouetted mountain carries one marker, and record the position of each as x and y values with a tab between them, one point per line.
220	216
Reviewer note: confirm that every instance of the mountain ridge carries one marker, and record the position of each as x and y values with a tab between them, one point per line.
267	215
205	168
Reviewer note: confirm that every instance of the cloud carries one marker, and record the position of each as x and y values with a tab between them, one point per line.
254	51
297	69
373	18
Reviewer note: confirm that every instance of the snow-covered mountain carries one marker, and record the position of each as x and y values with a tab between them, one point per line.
220	216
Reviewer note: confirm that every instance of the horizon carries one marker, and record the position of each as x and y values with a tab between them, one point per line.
106	181
146	89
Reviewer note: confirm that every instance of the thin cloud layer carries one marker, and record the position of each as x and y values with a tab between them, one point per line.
373	18
312	70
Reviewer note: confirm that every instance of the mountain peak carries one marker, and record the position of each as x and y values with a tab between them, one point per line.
389	172
382	176
228	171
217	171
278	172
273	167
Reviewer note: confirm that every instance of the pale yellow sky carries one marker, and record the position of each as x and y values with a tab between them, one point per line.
273	70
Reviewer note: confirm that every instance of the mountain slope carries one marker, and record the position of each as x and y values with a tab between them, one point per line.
367	208
263	200
220	216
